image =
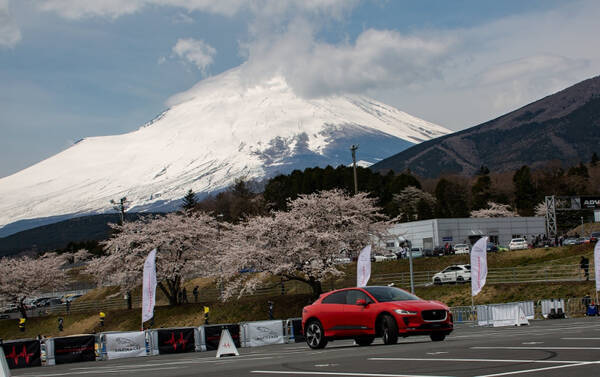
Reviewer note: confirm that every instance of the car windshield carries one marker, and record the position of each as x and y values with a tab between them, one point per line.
386	294
518	240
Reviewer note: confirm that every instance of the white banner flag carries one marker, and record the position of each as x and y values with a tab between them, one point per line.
478	265
149	287
597	265
363	267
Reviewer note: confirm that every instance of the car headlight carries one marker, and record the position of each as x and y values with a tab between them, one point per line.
404	312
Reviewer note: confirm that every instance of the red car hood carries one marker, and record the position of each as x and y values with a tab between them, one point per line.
416	305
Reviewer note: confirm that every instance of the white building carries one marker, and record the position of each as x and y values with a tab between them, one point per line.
428	234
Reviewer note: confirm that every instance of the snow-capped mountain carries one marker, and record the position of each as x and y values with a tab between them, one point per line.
220	130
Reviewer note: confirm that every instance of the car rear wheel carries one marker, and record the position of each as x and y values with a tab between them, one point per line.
389	330
315	336
364	340
437	337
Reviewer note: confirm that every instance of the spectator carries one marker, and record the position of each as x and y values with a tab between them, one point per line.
68	303
102	316
585	266
184	295
22	324
592	310
195	293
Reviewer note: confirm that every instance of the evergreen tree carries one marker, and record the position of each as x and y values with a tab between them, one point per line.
580	170
482	192
189	200
525	192
451	200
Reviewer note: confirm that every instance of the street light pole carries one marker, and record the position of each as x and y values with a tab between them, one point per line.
353	148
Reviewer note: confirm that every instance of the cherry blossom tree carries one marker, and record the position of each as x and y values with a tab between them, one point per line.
185	244
540	209
494	210
301	244
25	277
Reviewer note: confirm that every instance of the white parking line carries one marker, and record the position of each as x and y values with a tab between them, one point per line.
477	360
538	370
535	348
337	374
580	338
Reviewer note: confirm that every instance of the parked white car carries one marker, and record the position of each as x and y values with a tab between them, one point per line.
518	244
461	248
457	273
383	257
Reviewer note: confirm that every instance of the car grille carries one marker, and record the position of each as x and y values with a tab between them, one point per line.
434	315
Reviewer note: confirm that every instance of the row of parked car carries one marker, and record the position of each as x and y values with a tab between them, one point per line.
41	302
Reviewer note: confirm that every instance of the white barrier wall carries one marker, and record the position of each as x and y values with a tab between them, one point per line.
511	314
117	345
256	334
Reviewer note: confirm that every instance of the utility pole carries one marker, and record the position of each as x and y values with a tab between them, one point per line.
120	206
353	148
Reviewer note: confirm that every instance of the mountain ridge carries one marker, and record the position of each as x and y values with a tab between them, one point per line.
562	126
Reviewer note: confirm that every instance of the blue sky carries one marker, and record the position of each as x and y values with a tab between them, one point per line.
76	68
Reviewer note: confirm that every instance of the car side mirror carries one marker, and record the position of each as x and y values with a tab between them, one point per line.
361	302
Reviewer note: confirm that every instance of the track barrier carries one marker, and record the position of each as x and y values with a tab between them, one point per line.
122	344
118	345
262	333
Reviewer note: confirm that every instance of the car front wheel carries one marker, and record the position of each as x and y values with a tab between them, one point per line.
437	337
437	281
389	330
315	336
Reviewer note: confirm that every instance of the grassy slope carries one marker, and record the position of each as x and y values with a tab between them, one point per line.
289	306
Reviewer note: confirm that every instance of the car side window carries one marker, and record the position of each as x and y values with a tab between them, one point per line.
355	294
335	298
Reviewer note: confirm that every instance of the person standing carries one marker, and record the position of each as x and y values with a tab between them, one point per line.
195	293
585	266
184	295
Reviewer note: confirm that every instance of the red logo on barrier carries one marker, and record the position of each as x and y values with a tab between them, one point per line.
16	356
179	341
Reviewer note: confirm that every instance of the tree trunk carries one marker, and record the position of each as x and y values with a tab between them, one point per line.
316	287
171	297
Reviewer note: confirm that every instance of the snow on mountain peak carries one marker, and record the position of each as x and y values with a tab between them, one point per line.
215	132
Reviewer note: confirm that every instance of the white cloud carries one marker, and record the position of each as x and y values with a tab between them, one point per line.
76	9
10	34
377	59
196	52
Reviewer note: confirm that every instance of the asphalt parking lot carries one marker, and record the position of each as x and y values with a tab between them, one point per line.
568	347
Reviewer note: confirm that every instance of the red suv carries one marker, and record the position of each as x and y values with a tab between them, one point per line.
365	313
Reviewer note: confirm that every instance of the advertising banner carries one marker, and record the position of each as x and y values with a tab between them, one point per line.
212	335
478	265
590	202
256	334
149	287
597	265
124	344
22	353
74	349
363	267
176	340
